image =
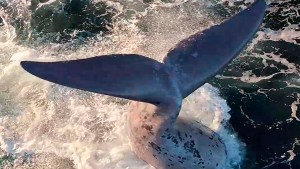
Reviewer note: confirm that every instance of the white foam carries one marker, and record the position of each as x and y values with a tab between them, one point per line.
46	3
206	106
249	77
72	129
291	152
287	34
294	108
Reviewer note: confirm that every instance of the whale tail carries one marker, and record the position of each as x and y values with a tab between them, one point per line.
131	76
193	61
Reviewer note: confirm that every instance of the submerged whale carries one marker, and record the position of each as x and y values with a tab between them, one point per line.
157	135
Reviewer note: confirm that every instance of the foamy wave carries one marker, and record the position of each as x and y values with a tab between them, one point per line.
206	106
90	130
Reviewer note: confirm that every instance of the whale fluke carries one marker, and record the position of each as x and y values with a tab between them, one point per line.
189	64
127	76
204	54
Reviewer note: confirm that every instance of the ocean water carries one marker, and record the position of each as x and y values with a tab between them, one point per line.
252	105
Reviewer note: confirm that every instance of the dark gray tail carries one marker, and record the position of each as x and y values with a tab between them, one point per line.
136	77
204	54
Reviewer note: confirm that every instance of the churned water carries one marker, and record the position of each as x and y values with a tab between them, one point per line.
44	125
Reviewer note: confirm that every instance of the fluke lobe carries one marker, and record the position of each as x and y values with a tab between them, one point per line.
158	136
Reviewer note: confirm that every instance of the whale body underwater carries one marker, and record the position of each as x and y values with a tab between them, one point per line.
157	135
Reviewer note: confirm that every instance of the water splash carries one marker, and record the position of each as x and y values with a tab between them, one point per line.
43	124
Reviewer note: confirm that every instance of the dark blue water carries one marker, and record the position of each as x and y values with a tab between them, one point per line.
261	111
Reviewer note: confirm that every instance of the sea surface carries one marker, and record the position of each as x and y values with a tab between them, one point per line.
254	104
